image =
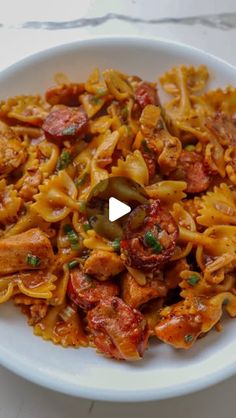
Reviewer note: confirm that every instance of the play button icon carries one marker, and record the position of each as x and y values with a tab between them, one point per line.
108	204
117	209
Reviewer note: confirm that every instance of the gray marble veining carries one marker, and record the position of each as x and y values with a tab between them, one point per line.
223	21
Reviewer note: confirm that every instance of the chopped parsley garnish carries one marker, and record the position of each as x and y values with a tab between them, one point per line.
64	160
124	112
151	241
82	206
33	260
116	245
72	237
145	146
101	91
95	100
190	147
70	130
86	226
80	182
193	280
188	338
72	264
225	302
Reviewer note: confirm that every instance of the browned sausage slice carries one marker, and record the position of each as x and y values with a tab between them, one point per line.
119	331
190	168
146	94
65	123
86	291
149	243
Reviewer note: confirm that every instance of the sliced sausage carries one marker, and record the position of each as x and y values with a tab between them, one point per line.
29	250
65	123
190	168
118	330
146	94
150	242
67	94
86	291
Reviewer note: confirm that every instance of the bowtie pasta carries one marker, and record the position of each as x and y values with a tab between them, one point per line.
168	272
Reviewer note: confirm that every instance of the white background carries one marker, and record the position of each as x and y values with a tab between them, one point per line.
27	26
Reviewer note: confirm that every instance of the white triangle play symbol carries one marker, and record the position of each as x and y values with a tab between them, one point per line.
117	209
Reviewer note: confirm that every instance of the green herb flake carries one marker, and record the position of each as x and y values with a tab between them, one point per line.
33	260
193	280
125	112
86	226
80	182
82	206
72	237
101	91
151	241
145	146
70	130
188	338
190	147
116	245
225	302
72	264
95	100
64	160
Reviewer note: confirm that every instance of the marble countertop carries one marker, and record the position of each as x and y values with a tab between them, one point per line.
27	27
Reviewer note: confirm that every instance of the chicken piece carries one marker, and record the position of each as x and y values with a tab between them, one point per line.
135	295
30	186
26	251
103	264
12	152
85	291
119	331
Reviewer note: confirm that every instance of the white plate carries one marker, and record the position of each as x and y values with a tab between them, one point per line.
164	372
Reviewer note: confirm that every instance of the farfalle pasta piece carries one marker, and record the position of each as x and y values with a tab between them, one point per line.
217	253
218	207
27	109
168	191
190	78
220	100
35	284
230	159
10	203
57	198
95	84
50	154
96	242
62	325
133	167
103	156
30	219
117	84
183	220
195	283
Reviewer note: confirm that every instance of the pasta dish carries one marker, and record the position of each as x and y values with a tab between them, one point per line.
164	271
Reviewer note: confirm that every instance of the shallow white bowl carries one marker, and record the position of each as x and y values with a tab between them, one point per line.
164	372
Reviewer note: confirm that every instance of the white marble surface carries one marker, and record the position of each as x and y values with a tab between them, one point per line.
27	26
